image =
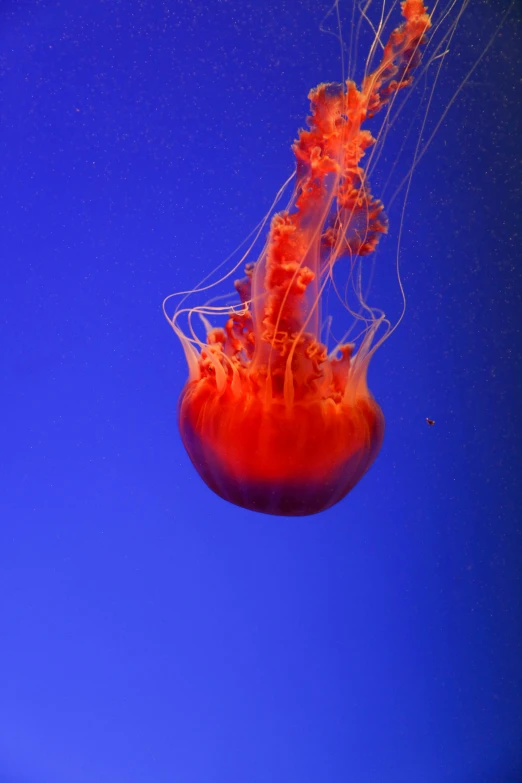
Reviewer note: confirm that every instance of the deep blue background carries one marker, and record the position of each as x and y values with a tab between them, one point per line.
148	630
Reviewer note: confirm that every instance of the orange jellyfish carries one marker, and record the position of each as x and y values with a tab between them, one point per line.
271	420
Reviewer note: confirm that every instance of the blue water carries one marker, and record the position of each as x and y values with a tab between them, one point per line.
149	631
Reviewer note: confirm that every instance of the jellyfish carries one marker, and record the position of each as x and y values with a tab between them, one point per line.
272	420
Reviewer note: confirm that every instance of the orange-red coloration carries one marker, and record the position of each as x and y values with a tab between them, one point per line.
270	420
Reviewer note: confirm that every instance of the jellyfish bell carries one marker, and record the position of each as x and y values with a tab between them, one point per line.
282	431
267	459
272	419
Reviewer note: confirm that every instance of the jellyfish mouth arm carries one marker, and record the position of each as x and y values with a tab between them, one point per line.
332	215
401	55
